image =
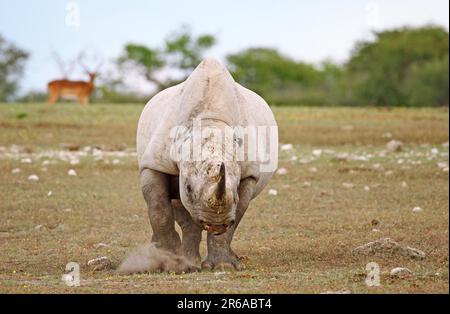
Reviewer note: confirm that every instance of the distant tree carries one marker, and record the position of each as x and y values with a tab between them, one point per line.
392	69
181	53
256	67
12	62
268	72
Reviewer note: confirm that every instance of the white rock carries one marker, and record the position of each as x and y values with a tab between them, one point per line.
287	146
26	160
375	230
435	151
294	158
445	169
445	144
417	209
348	127
46	162
348	185
389	173
50	193
39	227
74	161
317	152
16	170
100	245
394	146
366	188
400	272
273	192
306	184
404	184
71	172
282	171
99	263
377	166
442	165
313	169
387	135
115	161
33	177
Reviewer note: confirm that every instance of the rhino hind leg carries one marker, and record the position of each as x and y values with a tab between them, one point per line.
192	233
220	255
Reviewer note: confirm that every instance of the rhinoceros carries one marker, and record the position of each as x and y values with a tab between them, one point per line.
211	190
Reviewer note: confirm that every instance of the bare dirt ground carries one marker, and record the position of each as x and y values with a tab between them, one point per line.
340	189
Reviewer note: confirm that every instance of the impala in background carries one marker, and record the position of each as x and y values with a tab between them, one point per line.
68	89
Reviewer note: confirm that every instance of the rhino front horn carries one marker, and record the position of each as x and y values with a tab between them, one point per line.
221	185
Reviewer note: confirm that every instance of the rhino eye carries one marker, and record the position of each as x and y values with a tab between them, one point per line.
189	188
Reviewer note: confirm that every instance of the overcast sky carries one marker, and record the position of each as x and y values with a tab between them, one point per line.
308	30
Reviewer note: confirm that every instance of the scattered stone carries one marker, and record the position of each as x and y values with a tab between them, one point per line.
16	170
400	272
445	169
26	160
99	263
33	177
39	227
404	184
273	192
313	169
394	146
435	151
265	248
342	291
70	146
387	135
287	146
445	144
115	161
282	171
100	245
386	246
50	193
366	188
74	161
348	185
417	209
442	165
389	173
375	230
294	158
348	127
67	210
306	184
317	152
72	172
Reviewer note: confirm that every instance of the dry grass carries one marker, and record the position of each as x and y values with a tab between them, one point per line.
297	241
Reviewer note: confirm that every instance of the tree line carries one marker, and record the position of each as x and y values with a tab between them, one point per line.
399	67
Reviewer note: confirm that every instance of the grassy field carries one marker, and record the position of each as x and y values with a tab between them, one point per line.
341	190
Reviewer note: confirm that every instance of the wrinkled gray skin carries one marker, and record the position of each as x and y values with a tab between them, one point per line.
214	193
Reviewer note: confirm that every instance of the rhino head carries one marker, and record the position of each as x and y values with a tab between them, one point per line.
208	190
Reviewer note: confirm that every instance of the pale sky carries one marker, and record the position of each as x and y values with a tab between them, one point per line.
305	30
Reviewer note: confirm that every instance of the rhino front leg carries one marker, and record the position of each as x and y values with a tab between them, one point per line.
155	188
192	233
220	254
